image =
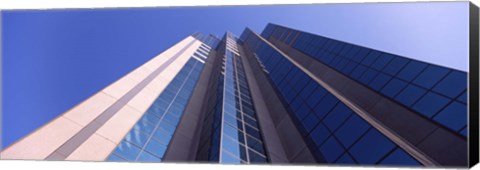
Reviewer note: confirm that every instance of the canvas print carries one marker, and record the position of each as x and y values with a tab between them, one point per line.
369	84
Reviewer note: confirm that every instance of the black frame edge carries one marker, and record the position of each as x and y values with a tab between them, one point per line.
473	131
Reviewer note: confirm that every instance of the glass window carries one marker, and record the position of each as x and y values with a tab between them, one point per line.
316	95
371	147
162	136
327	103
399	158
463	97
310	121
136	137
430	104
393	87
308	89
359	70
431	75
147	157
464	132
410	94
452	85
379	81
453	116
331	149
156	148
319	134
352	129
395	65
348	69
412	69
370	58
255	157
231	145
358	57
368	76
345	159
144	127
115	158
127	150
382	61
229	159
337	116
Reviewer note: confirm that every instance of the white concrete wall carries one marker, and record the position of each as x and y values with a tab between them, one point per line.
45	140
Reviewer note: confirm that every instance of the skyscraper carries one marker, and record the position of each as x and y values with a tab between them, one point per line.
284	96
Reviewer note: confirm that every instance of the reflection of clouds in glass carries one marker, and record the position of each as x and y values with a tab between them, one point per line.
136	135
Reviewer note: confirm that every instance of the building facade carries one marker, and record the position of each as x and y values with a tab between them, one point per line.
282	96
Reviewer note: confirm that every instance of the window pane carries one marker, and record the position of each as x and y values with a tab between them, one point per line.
453	116
352	129
412	69
345	159
382	61
410	94
379	81
127	151
337	116
393	87
327	103
371	147
331	149
399	158
395	65
431	75
452	85
430	104
319	134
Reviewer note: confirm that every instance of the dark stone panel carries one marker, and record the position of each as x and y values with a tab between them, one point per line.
445	149
184	144
270	137
407	124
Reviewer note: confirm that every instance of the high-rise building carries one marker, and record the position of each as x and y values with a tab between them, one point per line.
284	96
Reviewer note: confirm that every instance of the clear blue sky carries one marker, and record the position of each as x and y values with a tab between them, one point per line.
54	59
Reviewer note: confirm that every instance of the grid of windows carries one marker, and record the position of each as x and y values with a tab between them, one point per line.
151	135
241	141
430	90
332	130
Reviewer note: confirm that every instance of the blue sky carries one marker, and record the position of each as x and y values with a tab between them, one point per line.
54	59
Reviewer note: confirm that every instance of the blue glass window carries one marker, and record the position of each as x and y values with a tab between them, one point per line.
352	129
371	147
393	87
463	97
412	69
452	85
127	151
395	65
370	58
345	159
327	103
453	116
337	116
319	134
368	76
379	81
431	75
147	157
310	121
382	61
410	94
430	104
399	157
331	149
315	97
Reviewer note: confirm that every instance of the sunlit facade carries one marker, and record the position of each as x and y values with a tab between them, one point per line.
282	96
